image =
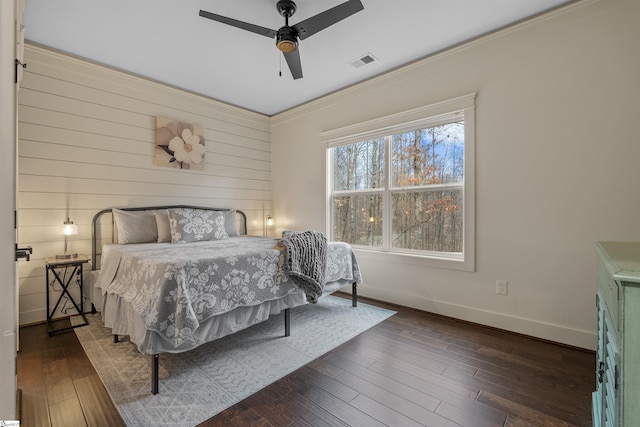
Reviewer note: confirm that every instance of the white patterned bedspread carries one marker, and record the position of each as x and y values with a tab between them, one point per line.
174	287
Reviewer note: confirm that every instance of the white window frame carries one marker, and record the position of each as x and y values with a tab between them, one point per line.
461	108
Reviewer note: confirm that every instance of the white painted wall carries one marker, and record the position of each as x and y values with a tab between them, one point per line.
87	142
557	154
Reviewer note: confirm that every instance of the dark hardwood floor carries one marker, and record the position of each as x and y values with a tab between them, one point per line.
410	370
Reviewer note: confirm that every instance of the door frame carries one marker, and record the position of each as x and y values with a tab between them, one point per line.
8	144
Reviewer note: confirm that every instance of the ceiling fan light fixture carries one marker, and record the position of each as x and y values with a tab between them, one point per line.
286	46
286	40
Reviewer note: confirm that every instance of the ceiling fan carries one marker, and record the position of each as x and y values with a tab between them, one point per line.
287	37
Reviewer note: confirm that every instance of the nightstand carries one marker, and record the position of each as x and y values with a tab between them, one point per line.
65	272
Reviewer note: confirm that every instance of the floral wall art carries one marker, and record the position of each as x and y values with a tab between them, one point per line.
179	145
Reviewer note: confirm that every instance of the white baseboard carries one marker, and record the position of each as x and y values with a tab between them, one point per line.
33	316
534	328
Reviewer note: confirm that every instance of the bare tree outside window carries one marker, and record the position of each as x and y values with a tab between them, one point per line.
357	219
359	167
432	160
424	187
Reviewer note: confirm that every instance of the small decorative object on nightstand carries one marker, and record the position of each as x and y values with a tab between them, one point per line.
65	272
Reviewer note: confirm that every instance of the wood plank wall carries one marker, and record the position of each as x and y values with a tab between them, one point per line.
87	142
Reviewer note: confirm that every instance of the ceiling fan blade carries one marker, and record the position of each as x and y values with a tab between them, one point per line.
293	61
239	24
319	22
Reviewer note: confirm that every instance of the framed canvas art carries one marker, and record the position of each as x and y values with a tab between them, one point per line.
179	145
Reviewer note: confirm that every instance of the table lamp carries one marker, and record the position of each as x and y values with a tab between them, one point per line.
68	229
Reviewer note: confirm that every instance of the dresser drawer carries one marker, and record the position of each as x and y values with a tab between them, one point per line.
609	290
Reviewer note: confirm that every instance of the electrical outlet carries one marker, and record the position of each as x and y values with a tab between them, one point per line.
501	287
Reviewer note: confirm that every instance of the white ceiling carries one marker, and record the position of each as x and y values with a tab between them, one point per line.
166	41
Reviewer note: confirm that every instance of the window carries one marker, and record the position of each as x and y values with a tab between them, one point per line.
406	189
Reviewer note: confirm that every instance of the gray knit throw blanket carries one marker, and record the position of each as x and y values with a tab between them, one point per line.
305	261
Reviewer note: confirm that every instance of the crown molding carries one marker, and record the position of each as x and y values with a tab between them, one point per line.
409	71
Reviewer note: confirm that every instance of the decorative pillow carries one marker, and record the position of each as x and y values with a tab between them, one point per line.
164	229
135	226
231	223
194	225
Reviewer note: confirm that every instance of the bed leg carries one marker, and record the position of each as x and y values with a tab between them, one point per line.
115	338
154	373
354	294
287	322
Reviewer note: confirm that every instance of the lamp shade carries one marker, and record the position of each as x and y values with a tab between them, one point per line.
69	228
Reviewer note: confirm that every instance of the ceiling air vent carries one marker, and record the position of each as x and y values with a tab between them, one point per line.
365	59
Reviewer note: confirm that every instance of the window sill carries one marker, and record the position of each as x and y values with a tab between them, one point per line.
450	263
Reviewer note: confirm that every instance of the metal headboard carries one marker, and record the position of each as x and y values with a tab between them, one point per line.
242	225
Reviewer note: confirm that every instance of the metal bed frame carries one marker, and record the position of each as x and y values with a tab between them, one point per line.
243	231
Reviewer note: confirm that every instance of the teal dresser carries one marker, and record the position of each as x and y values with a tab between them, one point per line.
616	401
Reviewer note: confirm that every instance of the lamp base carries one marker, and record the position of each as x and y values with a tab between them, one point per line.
66	256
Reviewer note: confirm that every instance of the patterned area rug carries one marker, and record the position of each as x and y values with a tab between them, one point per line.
196	385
